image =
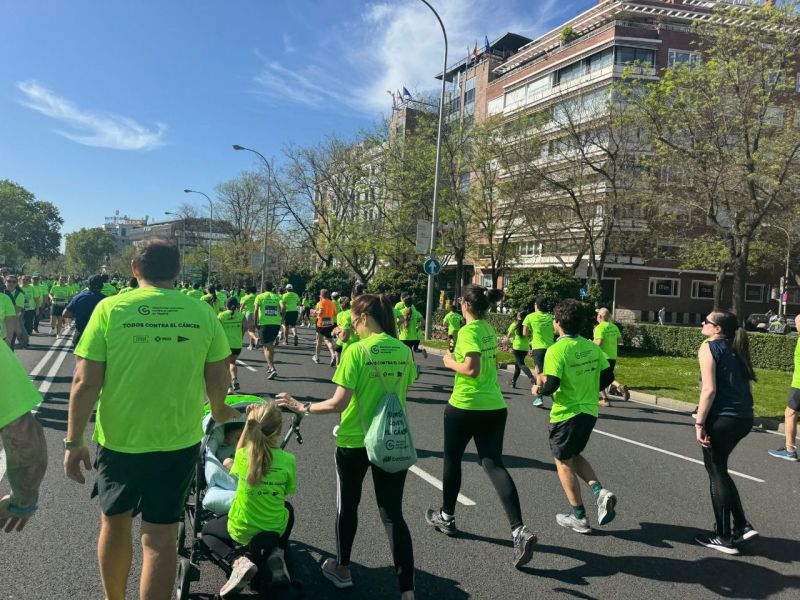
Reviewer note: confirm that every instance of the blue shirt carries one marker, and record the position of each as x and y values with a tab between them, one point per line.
733	397
82	307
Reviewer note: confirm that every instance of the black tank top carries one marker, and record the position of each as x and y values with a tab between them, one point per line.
734	397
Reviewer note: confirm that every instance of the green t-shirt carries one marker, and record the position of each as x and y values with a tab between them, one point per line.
155	344
222	298
197	294
248	303
796	374
6	310
356	373
577	362
481	392
60	294
261	507
410	330
30	296
19	396
41	292
540	325
453	321
290	300
344	323
337	304
518	341
128	288
609	335
306	303
232	324
269	308
108	290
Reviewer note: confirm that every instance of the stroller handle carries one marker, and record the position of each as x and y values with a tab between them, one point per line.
294	428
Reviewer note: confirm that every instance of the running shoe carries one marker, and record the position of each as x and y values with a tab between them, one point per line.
235	384
570	521
626	393
790	455
251	347
315	359
713	541
295	340
333	361
435	519
277	567
424	353
606	502
337	575
748	532
538	401
272	374
605	403
513	384
243	572
524	542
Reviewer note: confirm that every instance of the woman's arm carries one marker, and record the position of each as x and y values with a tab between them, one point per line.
471	367
336	404
707	392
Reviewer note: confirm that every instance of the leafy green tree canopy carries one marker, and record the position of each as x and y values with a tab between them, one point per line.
87	250
28	227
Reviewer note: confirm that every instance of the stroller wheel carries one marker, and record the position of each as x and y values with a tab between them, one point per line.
182	581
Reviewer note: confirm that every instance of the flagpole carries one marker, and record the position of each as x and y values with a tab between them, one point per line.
435	207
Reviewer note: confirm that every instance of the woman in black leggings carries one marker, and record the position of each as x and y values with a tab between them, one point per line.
724	418
477	410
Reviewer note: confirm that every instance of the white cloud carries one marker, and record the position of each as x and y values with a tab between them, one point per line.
90	128
309	87
288	47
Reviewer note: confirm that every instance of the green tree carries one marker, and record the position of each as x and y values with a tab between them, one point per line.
298	277
88	249
333	279
553	284
408	278
28	227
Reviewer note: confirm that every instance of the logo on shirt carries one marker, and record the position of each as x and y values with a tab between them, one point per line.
144	310
140	339
182	339
160	338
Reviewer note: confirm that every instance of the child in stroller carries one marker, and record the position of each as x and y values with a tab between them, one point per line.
255	533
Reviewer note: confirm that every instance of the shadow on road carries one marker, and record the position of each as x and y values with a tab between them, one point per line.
511	462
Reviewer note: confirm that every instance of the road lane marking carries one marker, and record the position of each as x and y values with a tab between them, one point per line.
675	454
438	484
51	374
2	463
46	358
241	363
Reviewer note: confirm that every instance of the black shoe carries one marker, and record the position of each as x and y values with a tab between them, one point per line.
748	532
524	542
295	340
513	384
435	519
272	374
713	541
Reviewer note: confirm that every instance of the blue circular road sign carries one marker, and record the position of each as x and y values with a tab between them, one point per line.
432	266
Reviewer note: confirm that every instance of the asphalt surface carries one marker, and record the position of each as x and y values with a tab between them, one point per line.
647	552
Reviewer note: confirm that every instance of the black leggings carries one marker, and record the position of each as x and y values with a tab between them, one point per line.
487	428
726	433
520	366
29	317
351	468
217	538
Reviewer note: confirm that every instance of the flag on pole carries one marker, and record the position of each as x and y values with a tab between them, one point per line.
487	46
406	93
475	52
399	97
468	57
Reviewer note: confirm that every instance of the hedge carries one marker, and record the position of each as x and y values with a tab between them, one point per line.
768	351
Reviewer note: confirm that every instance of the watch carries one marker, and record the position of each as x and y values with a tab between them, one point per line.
70	444
307	408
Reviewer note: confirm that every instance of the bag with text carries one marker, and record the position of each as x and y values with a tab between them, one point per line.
388	438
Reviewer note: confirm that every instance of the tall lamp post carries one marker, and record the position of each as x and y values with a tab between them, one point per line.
210	223
183	244
785	280
435	207
267	216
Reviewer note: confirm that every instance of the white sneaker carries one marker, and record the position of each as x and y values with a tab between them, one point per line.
243	572
315	359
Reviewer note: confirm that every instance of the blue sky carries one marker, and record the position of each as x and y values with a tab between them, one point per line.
110	106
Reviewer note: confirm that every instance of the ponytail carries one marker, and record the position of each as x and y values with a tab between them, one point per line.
729	327
261	432
480	299
379	308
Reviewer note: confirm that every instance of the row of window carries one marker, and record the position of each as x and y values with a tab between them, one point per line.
667	287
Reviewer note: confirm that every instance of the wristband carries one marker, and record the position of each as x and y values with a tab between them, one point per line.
22	512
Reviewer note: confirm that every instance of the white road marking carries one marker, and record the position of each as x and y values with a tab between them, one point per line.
2	463
241	363
48	380
46	358
438	484
676	455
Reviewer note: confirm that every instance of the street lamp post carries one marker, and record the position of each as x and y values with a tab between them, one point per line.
435	207
210	223
183	244
785	280
267	216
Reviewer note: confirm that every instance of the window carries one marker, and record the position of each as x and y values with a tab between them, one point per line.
662	286
627	55
599	61
463	182
454	104
774	115
702	290
538	88
570	72
486	281
495	106
515	98
469	96
754	292
678	58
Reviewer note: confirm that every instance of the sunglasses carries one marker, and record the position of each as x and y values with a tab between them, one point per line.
710	322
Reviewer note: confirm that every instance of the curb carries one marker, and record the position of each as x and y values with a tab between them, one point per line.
766	423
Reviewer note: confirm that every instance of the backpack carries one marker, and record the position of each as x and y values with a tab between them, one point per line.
388	438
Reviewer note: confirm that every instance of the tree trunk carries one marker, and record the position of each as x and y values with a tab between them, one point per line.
719	279
739	267
459	274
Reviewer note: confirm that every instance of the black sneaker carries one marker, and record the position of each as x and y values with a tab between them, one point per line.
524	542
435	519
272	374
713	541
295	340
513	384
748	532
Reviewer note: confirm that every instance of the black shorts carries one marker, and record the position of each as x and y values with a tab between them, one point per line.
337	348
290	319
413	344
326	332
569	438
154	484
611	364
268	334
236	351
794	399
58	310
538	359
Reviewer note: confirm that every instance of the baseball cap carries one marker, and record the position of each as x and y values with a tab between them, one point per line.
289	286
335	295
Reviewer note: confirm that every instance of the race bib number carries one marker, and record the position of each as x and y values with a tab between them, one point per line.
271	311
326	322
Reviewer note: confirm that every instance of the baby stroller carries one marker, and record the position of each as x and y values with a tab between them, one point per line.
191	548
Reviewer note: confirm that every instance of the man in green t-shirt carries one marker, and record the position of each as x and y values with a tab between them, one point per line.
268	320
289	302
789	451
24	442
575	370
454	322
8	314
606	335
147	359
29	314
538	327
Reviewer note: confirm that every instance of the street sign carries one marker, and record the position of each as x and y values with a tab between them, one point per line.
432	267
583	292
423	236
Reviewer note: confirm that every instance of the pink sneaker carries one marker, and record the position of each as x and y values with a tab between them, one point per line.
243	572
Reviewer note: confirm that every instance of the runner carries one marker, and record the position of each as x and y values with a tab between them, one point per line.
147	359
454	322
266	475
606	335
345	336
8	314
108	289
39	294
133	283
59	296
29	313
82	306
289	302
410	323
268	317
336	303
18	333
196	292
248	303
326	317
724	418
477	410
373	321
233	323
538	326
306	316
520	344
24	442
575	370
789	450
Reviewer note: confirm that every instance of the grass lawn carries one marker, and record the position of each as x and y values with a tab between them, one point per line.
677	378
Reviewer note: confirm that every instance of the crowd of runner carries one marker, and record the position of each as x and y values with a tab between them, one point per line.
147	345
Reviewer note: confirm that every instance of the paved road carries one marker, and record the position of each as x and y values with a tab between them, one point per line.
646	553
